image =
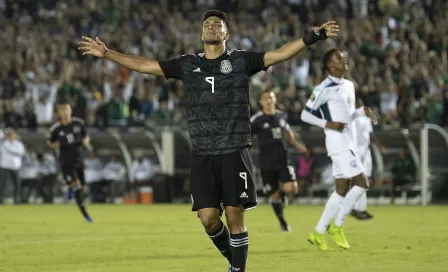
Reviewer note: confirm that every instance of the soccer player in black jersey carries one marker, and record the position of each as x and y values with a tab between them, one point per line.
271	127
69	137
217	99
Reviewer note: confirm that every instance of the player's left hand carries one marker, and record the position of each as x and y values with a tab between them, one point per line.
369	113
329	29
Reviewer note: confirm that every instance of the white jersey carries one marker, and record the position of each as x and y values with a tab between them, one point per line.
334	101
363	128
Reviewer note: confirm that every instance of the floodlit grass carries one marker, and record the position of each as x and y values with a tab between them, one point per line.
170	238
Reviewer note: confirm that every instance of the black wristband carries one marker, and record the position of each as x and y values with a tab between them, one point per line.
312	37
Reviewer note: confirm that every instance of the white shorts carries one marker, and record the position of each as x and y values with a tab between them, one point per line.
367	164
346	165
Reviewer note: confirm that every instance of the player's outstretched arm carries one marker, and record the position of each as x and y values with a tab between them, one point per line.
289	50
97	48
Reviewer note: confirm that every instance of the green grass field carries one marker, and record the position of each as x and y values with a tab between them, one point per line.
170	238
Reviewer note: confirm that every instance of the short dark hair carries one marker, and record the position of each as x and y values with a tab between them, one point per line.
216	13
327	56
264	92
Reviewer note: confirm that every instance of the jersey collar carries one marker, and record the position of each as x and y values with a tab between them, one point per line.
336	80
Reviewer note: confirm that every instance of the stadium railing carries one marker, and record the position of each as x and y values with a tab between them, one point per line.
170	148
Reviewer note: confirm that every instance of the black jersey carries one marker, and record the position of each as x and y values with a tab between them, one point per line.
271	141
217	98
70	139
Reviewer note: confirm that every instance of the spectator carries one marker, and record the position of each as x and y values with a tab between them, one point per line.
93	175
306	167
29	175
114	177
141	170
11	154
403	171
47	176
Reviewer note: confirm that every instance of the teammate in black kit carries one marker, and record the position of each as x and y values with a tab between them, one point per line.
217	98
271	127
69	137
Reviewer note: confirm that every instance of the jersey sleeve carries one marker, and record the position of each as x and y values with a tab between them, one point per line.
172	68
284	120
253	62
83	130
53	135
317	99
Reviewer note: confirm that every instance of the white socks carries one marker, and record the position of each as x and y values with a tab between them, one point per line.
361	204
331	210
349	201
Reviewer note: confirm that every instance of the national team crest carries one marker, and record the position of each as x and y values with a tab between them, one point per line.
312	97
226	67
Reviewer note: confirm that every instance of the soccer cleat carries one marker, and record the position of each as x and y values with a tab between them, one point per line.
285	228
89	219
230	269
337	233
361	215
318	240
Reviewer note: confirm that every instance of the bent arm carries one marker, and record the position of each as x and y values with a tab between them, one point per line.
139	64
313	120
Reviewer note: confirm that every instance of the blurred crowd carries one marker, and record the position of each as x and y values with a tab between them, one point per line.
397	52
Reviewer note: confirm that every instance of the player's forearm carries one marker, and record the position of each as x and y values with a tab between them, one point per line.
135	63
309	118
285	52
291	49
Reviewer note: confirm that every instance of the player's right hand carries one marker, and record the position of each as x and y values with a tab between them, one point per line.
335	126
92	47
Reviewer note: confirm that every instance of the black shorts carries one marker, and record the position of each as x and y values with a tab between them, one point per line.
218	181
72	172
272	178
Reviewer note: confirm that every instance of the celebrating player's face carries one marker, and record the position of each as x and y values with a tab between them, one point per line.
214	30
64	111
268	100
338	62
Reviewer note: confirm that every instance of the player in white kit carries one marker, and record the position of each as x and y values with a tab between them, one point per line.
364	138
332	107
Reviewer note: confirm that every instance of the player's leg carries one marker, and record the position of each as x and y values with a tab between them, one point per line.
360	209
271	188
79	198
332	206
238	193
352	167
206	198
290	187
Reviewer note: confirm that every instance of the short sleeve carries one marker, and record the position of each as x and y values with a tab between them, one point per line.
172	68
317	99
53	135
83	130
254	62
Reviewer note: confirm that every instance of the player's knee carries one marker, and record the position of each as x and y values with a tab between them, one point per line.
291	187
362	181
235	219
275	195
210	220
